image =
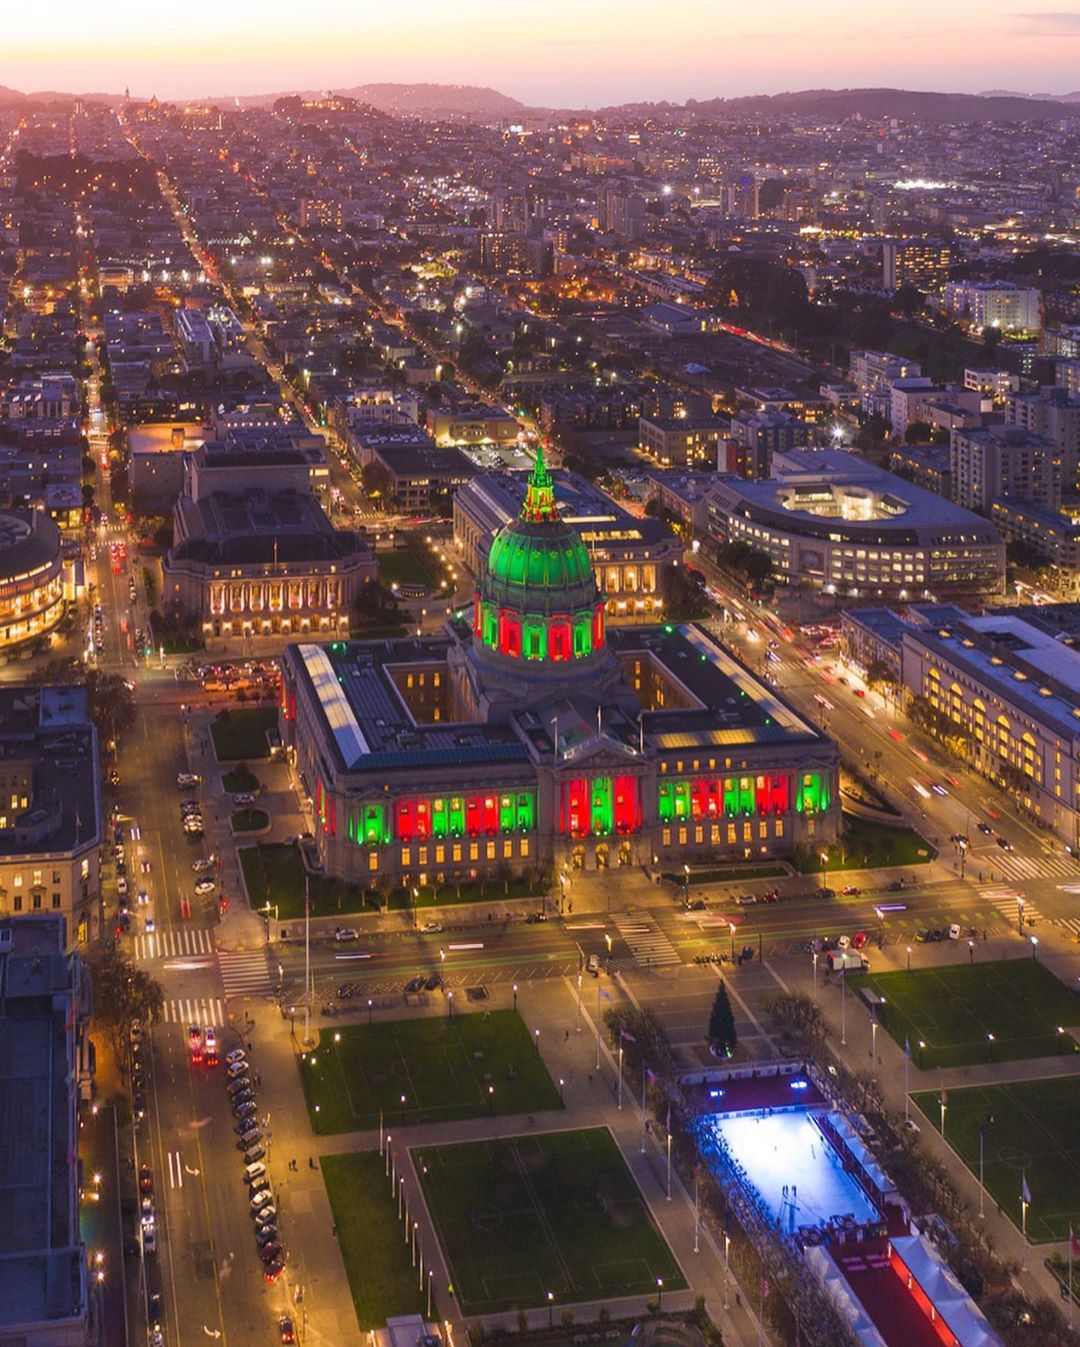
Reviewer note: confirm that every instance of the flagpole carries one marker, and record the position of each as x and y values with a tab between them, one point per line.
598	1026
620	1069
669	1152
1072	1239
907	1065
644	1079
982	1188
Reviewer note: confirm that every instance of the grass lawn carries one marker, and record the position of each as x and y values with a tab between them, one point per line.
869	846
274	873
1033	1132
240	779
242	734
728	873
250	820
952	1010
404	567
444	1068
381	1276
557	1212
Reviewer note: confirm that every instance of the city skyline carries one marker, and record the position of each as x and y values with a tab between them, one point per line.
561	58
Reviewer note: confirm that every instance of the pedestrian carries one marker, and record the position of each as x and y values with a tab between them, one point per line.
334	1229
566	1037
311	1162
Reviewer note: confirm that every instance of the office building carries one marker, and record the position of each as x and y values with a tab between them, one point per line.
874	372
922	263
1003	461
1014	309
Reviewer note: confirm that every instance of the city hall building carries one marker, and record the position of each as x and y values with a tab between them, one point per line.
531	736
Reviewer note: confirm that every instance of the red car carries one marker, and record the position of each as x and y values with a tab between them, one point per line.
287	1329
859	692
195	1043
858	940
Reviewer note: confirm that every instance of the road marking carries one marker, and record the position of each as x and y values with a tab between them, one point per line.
176	1170
244	971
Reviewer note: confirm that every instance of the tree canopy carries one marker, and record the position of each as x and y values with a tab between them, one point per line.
722	1035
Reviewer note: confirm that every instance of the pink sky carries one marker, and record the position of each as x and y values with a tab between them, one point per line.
559	52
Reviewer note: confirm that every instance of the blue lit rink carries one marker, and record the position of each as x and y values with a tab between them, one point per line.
787	1150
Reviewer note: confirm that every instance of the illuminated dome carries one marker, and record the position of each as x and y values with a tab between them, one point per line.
537	597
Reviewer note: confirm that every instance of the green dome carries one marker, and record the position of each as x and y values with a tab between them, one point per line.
538	564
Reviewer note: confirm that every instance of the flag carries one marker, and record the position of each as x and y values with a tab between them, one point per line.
1025	1191
764	1288
604	996
944	1096
625	1033
1074	1244
907	1046
650	1075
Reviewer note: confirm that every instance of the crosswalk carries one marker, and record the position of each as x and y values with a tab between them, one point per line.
648	944
195	1010
1008	903
244	972
174	943
1013	866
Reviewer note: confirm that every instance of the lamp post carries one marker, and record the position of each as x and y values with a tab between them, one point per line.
971	951
562	1101
922	1048
814	957
843	1009
579	1003
515	997
429	1277
403	1110
990	1045
491	1100
551	1308
1034	945
731	932
536	1041
449	1005
659	1293
1020	913
369	1012
873	1038
727	1265
909	958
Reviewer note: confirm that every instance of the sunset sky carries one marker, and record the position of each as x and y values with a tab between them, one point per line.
557	52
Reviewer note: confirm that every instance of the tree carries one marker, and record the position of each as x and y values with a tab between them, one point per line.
123	993
918	432
376	481
721	1036
880	674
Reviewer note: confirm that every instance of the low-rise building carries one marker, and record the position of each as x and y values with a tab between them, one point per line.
675	441
421	476
982	304
156	453
1003	461
472	423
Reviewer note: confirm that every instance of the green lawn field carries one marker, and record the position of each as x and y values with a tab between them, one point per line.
556	1212
446	1069
382	1278
954	1010
1033	1132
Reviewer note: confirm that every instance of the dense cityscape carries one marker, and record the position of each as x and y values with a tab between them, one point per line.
527	637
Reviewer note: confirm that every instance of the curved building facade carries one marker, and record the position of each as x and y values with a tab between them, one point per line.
31	576
834	521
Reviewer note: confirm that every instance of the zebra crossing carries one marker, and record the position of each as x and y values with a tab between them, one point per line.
174	943
648	944
1009	904
1013	866
195	1010
244	972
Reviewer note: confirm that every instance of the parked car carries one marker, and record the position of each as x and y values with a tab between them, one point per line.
344	933
858	940
431	928
204	886
592	965
415	984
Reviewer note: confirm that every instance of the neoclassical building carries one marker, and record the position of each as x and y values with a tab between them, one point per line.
31	576
535	736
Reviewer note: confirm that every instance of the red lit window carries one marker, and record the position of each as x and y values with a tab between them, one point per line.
474	815
510	635
575	812
627	814
405	820
598	627
559	639
423	819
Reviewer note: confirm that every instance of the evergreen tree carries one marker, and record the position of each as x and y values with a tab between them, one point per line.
721	1035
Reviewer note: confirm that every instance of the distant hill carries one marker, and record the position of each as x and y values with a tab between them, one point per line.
876	103
438	100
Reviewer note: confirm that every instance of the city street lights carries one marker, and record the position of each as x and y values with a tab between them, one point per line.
491	1099
873	1038
971	951
536	1041
727	1265
990	1045
922	1048
562	1101
731	931
449	1005
909	958
551	1308
659	1293
814	957
1034	945
369	1012
403	1110
515	996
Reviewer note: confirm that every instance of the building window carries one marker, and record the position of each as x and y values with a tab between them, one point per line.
508	849
524	846
474	851
406	856
373	861
56	900
665	837
16	905
489	850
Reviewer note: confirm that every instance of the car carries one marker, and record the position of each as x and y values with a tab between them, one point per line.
138	1105
242	1097
234	1055
922	936
952	780
287	1329
694	905
153	1308
843	942
237	1067
432	981
535	918
146	1179
121	886
254	1154
1004	843
150	925
859	692
954	931
190	807
194	1034
431	928
185	780
850	891
260	1200
937	934
984	828
246	1127
244	1110
210	1044
260	1183
266	1234
194	829
142	896
896	885
592	965
938	788
344	933
270	1251
237	1087
415	984
826	893
746	899
204	886
243	800
202	866
149	1239
273	1270
266	1216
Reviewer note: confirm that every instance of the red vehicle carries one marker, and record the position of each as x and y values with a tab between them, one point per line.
952	781
859	692
195	1043
858	940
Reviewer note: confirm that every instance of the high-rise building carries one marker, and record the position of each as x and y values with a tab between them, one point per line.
982	304
923	263
1003	461
874	372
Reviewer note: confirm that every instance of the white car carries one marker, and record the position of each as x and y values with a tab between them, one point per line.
261	1199
244	800
346	933
843	942
202	867
151	926
205	886
122	887
142	896
431	928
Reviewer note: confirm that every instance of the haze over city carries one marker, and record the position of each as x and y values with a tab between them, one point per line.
559	53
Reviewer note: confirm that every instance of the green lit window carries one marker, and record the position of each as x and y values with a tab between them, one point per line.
506	813
602	814
582	637
526	811
457	816
440	818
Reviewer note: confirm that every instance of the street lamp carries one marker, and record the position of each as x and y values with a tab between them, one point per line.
491	1099
922	1048
561	1100
369	1012
536	1041
515	996
990	1045
971	951
403	1110
659	1293
449	1005
909	958
814	957
551	1308
731	932
1034	945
